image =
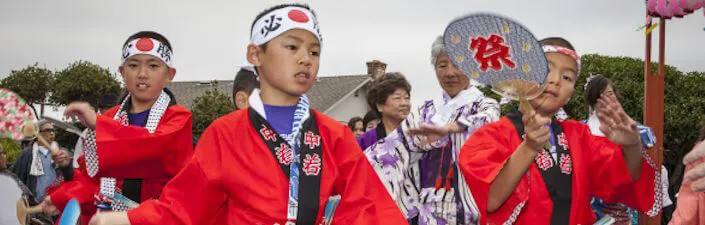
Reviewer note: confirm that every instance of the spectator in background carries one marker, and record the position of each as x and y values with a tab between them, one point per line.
35	167
355	124
244	83
595	87
422	174
370	121
389	99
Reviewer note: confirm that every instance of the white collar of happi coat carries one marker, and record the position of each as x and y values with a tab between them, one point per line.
446	107
300	115
594	124
256	103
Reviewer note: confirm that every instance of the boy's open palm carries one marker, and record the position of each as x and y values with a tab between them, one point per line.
617	126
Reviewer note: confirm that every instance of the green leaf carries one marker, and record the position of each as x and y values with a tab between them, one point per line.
83	81
208	107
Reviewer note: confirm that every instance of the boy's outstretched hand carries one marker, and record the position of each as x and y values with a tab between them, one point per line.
617	126
83	112
621	129
431	133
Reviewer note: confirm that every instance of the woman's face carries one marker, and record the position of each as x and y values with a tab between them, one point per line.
608	92
397	105
372	124
358	128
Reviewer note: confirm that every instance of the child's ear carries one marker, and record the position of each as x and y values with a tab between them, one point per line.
172	73
121	69
253	55
241	100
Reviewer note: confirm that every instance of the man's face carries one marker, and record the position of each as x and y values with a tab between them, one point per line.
47	132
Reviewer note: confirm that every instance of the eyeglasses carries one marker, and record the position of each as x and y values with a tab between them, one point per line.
48	130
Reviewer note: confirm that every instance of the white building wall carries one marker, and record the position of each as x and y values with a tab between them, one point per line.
350	107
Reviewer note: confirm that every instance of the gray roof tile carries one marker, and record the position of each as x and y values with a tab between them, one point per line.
322	95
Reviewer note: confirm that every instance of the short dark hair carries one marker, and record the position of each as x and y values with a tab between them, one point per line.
353	121
245	80
558	41
108	100
701	137
270	9
369	116
149	34
384	86
595	87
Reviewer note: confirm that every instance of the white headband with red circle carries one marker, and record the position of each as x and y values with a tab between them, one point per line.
148	46
281	20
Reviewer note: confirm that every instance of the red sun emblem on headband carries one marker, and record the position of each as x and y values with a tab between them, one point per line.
298	16
145	44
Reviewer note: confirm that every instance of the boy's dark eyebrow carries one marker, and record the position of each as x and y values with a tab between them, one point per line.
295	38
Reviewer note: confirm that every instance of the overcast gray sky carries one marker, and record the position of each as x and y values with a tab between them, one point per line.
209	37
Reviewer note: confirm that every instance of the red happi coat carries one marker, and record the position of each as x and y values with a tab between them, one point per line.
598	169
234	179
131	152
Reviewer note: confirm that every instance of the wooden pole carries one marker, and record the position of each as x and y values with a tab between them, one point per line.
653	104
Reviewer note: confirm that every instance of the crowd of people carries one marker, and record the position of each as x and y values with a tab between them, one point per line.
455	159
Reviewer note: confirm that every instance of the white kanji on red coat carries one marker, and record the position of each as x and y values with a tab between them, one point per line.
563	141
312	140
544	161
312	164
268	134
284	153
566	164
